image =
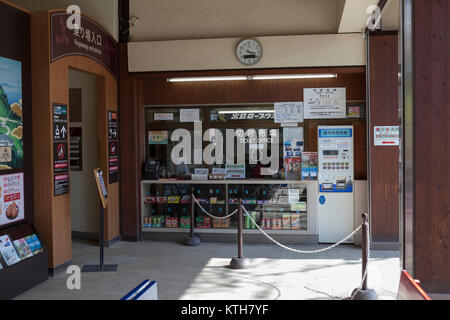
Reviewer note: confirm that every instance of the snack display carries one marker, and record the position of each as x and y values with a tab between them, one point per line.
286	222
185	222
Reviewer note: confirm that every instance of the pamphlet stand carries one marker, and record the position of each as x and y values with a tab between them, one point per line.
28	273
103	196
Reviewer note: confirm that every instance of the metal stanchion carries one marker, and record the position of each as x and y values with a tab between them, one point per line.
192	240
240	262
365	293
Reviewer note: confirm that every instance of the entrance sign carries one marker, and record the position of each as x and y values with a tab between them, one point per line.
101	187
386	136
90	40
325	103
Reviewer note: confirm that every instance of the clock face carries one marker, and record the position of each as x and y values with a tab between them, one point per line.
249	51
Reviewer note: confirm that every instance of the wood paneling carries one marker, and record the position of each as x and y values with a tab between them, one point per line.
384	161
51	85
431	143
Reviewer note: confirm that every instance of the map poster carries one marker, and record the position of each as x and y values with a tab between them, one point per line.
12	202
11	123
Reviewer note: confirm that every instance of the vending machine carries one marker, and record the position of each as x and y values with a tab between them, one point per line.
336	183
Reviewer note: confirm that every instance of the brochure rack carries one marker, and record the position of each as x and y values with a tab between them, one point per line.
26	274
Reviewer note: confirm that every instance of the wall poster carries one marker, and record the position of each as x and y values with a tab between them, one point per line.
113	146
12	205
325	103
11	114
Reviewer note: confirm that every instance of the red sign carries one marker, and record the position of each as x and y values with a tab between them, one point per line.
90	40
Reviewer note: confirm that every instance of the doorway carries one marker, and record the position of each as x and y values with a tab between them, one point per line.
84	156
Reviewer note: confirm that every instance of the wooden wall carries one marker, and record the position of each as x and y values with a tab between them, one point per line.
51	85
384	161
140	89
431	143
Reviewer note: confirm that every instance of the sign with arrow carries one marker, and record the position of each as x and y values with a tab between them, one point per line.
387	136
60	128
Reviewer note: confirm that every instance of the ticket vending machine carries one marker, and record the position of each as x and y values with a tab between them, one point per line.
336	183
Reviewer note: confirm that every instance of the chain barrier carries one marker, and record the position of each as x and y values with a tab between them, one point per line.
319	251
212	216
300	251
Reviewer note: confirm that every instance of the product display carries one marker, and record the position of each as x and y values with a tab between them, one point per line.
185	222
203	222
8	251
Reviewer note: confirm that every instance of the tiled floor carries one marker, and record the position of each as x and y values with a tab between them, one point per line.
201	273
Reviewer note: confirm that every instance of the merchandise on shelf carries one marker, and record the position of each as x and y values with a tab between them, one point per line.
277	224
203	222
225	223
173	199
286	221
266	223
295	221
186	199
172	222
161	200
185	222
150	199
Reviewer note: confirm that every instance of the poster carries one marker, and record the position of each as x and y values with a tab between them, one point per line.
158	137
189	115
60	157
387	136
289	112
11	115
60	127
76	149
113	146
12	208
325	103
61	184
163	117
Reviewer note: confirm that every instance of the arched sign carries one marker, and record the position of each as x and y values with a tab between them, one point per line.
90	40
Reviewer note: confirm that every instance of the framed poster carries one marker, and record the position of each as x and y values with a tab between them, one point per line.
12	204
11	115
325	103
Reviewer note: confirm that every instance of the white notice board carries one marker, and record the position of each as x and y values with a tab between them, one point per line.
325	103
387	136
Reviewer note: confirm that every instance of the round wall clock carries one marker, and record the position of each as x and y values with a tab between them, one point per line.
249	51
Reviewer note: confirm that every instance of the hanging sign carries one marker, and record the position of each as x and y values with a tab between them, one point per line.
325	103
387	136
90	40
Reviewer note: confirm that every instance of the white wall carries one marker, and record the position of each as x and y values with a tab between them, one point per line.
218	54
105	12
84	200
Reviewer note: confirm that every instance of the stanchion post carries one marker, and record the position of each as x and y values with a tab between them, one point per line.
365	293
192	240
240	262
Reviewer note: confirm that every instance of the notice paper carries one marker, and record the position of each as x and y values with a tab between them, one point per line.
325	103
190	115
289	112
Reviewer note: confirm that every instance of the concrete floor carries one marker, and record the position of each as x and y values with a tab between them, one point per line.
200	273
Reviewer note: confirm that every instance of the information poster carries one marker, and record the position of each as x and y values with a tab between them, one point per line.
325	103
289	112
11	115
387	136
60	128
76	149
12	208
158	137
113	146
60	157
61	184
189	115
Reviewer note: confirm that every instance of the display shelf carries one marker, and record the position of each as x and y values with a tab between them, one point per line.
275	194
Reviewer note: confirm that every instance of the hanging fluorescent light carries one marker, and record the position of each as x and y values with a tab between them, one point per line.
246	111
202	79
258	77
295	76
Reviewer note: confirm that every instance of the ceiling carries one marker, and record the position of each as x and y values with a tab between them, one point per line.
208	19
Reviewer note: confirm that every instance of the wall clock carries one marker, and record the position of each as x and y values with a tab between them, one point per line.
249	51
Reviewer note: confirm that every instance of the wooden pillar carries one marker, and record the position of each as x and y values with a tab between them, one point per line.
426	101
384	160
